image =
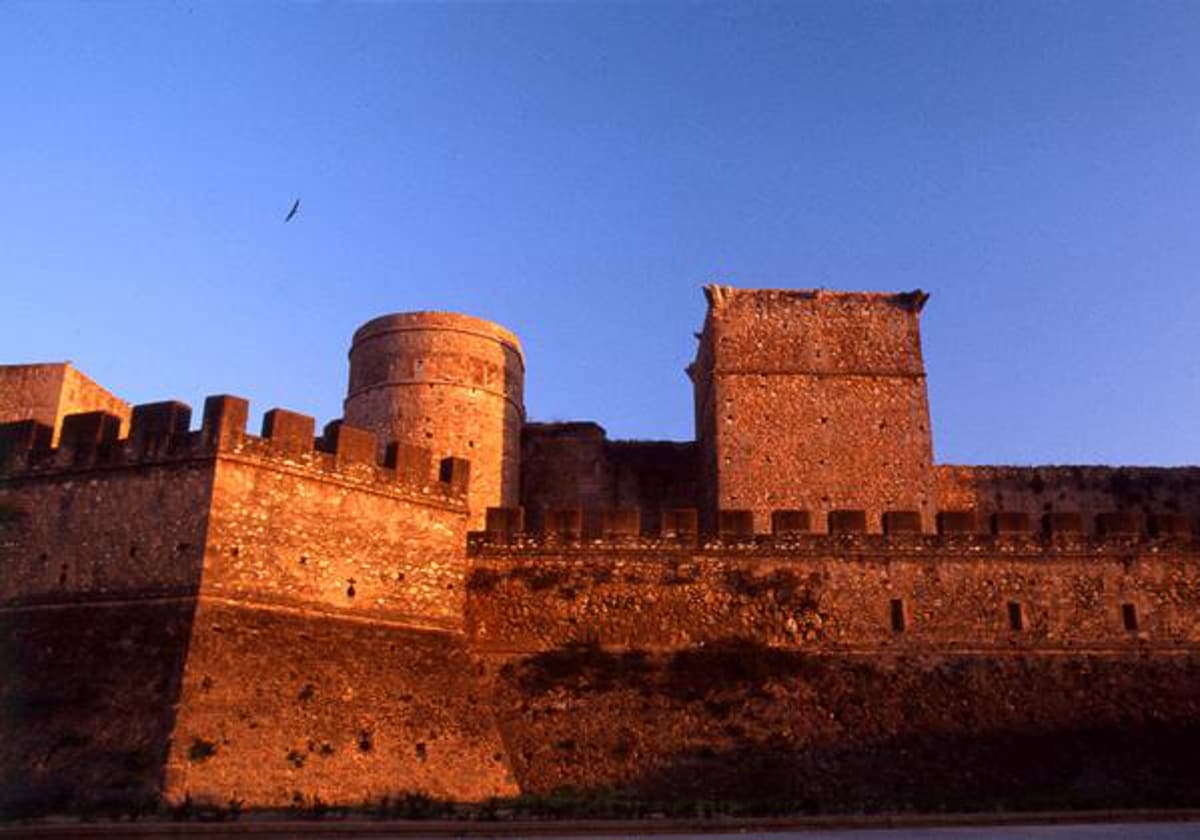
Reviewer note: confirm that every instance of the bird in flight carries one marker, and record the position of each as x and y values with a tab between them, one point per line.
292	213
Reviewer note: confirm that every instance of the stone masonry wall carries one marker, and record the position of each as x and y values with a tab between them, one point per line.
31	392
837	593
777	731
814	400
451	383
80	394
110	531
49	392
87	703
288	535
1082	489
574	465
281	707
771	673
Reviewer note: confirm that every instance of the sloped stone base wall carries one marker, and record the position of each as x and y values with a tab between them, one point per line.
737	722
87	698
283	708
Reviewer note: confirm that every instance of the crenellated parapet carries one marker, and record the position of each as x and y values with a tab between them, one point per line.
508	530
160	434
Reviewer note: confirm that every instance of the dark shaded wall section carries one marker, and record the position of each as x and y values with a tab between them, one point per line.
87	703
1082	489
795	731
778	678
575	465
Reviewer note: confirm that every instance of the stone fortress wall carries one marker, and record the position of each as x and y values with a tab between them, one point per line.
434	595
48	393
300	599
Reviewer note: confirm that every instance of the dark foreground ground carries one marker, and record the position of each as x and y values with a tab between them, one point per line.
1175	825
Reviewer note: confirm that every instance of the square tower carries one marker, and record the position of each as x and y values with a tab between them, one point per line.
813	400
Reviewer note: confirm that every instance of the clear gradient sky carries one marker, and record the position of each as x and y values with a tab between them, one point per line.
577	171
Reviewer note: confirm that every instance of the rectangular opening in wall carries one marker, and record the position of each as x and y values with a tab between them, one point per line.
899	622
1130	617
1016	616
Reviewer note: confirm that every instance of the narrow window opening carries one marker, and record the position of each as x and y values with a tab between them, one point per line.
899	619
1016	616
1130	617
445	470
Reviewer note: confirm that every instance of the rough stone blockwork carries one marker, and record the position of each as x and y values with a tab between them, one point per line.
836	593
87	703
813	400
283	708
751	724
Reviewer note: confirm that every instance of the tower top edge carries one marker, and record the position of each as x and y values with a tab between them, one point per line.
719	295
435	321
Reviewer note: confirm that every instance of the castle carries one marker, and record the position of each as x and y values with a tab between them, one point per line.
435	595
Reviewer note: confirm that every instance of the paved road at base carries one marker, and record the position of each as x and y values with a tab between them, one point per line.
1109	831
349	830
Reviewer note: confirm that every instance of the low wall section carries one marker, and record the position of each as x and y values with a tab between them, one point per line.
965	591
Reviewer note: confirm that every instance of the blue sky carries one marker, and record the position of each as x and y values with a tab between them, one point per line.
577	171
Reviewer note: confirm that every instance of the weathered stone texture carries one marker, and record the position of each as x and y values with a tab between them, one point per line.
285	535
87	703
801	732
283	707
813	400
1084	489
68	534
447	382
49	392
835	593
574	465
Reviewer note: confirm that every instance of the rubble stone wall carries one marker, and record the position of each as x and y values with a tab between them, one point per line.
574	465
1083	489
49	392
283	534
787	730
104	532
838	593
284	707
814	400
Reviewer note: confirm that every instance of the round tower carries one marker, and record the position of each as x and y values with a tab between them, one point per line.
448	382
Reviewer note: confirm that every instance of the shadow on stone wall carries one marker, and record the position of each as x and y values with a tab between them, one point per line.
796	733
87	704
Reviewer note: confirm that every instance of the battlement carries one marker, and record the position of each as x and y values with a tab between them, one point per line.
846	532
813	331
159	433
